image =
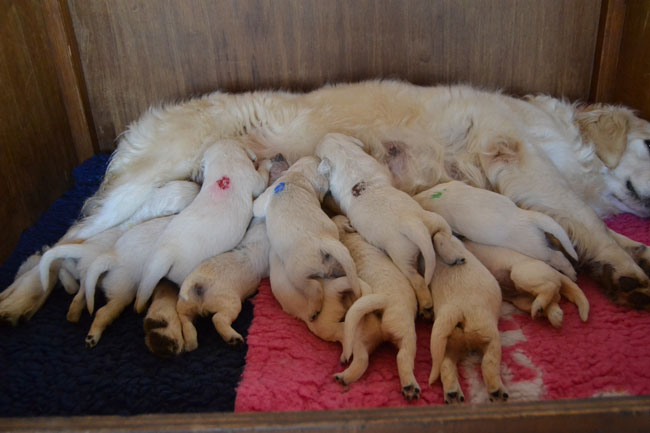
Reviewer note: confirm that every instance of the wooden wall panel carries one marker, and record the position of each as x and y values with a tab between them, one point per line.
37	153
632	81
140	52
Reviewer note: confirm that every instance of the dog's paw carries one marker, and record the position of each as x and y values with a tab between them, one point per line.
426	313
629	289
555	315
151	324
456	396
499	395
411	392
641	255
340	378
162	345
235	340
91	341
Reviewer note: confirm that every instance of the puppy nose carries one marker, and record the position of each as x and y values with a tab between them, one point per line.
631	189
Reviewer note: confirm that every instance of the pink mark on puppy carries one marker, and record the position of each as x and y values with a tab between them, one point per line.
219	186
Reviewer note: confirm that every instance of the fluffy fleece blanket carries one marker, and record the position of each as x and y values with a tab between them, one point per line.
287	368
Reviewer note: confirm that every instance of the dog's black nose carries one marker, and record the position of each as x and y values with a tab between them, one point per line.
631	189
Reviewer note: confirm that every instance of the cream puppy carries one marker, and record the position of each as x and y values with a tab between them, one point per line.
162	327
213	223
219	285
391	295
489	218
466	302
385	216
121	267
301	234
530	284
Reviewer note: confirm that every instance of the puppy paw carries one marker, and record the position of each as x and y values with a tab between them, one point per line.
641	255
91	341
235	340
630	289
499	395
340	378
411	392
555	315
454	397
162	345
426	313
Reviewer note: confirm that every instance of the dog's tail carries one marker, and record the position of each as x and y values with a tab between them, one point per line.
362	306
573	293
342	255
156	268
550	227
66	251
446	321
100	265
420	236
188	283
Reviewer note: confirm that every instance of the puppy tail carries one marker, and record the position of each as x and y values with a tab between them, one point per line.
446	320
420	236
574	294
558	239
184	291
362	306
156	268
66	251
100	265
342	255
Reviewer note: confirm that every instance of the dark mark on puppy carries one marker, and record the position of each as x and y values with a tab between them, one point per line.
358	188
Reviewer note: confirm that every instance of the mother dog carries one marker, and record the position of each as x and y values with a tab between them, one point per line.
574	163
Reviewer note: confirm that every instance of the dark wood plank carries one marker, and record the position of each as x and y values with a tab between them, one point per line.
608	47
630	414
37	151
141	52
633	71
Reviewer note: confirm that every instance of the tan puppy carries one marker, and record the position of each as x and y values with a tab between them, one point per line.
213	223
467	302
530	284
301	234
489	218
121	267
219	285
385	216
162	327
393	297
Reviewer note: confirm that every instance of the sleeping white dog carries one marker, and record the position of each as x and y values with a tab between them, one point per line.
385	216
301	234
489	218
213	223
220	284
122	268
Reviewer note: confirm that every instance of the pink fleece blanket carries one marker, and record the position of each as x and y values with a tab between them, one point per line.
289	369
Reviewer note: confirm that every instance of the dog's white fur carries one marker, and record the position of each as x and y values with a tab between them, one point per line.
301	234
390	294
213	223
385	216
467	303
493	219
121	269
530	284
219	285
568	161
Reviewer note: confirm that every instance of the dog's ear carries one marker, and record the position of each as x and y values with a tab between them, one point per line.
357	142
250	154
325	167
607	129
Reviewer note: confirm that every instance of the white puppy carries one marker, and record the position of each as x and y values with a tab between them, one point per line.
385	216
391	295
121	267
213	223
467	302
489	218
219	285
301	234
530	284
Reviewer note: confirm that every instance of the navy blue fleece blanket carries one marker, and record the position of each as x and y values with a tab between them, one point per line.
45	368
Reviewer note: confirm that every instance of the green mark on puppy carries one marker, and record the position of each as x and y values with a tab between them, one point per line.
437	195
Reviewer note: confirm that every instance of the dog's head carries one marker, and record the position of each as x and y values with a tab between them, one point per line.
225	155
308	167
621	141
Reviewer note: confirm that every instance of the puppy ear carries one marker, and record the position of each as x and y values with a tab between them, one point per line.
357	142
251	154
325	167
607	129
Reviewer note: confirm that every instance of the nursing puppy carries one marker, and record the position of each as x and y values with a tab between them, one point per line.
392	296
213	223
219	285
466	302
489	218
530	284
385	216
301	234
121	267
162	327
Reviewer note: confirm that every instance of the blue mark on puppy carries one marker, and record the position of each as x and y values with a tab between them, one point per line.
279	188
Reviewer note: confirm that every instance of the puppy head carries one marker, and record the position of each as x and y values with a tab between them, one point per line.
225	155
621	141
308	166
338	150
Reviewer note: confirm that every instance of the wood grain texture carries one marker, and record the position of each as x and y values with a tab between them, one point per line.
37	154
633	73
629	415
141	52
608	47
